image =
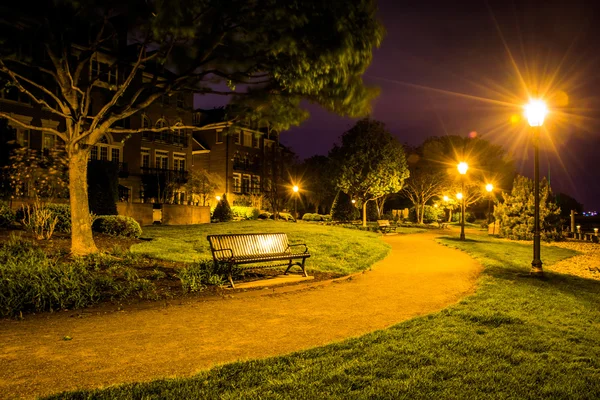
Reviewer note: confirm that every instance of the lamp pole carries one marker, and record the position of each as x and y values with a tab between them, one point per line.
296	189
489	187
462	169
536	111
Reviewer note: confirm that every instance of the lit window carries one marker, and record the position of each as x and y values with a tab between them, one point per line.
162	160
237	137
49	141
23	136
115	155
103	153
219	136
237	183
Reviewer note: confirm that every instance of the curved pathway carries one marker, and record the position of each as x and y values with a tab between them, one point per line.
418	277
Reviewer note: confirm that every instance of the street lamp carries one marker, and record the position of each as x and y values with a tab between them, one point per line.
218	198
489	187
462	170
535	112
296	189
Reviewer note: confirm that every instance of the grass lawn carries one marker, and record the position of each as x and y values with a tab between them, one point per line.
516	337
333	249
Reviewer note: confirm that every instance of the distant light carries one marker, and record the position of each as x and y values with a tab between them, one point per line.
459	196
463	167
446	198
218	198
489	187
295	188
473	134
435	205
535	112
353	201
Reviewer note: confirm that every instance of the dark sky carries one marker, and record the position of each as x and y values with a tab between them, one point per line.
456	67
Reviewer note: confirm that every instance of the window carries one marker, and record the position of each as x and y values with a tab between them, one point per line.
104	153
180	135
115	155
23	137
246	184
247	139
255	184
180	100
14	94
196	118
219	136
162	123
145	158
103	71
179	162
49	141
162	160
237	137
255	142
94	153
237	183
145	125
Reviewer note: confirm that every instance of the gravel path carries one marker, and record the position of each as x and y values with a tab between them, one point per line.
418	277
586	265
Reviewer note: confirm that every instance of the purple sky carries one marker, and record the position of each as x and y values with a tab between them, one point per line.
435	48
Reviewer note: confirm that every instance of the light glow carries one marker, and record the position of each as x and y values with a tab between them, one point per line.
218	198
463	167
295	189
489	187
535	112
459	196
446	198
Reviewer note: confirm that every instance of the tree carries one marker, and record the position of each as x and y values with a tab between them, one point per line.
371	163
422	186
318	185
516	214
223	211
277	52
202	185
342	208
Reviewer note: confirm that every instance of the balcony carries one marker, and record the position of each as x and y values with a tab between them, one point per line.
172	175
239	189
239	165
166	137
123	167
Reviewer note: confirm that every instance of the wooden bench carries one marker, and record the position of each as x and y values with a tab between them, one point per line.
442	224
384	226
242	250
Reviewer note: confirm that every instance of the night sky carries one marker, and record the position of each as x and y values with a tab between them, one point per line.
459	67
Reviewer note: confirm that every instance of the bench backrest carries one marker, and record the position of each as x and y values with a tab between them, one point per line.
383	222
247	244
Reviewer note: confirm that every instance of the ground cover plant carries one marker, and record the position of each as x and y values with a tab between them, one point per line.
516	337
333	249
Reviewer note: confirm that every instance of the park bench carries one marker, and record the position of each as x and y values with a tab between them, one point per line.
442	224
245	249
384	226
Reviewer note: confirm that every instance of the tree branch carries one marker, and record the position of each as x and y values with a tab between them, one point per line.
32	127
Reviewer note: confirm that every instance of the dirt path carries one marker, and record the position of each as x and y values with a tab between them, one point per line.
419	277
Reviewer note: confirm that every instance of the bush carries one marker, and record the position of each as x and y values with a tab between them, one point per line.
32	281
343	209
283	216
45	219
7	215
195	277
222	211
431	214
313	217
264	215
63	214
469	216
117	225
242	212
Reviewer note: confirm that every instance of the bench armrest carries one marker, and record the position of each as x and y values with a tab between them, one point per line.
222	250
300	244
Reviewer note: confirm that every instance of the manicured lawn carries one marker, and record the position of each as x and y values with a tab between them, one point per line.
517	337
333	249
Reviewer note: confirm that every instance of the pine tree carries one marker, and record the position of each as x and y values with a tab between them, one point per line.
516	214
343	209
222	211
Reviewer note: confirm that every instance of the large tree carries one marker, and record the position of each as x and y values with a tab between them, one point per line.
277	52
370	163
318	184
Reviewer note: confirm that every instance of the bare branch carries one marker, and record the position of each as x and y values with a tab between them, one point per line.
166	128
35	128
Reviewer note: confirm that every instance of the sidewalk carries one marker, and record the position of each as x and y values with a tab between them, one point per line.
418	277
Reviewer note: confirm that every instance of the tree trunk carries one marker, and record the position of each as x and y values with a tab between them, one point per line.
422	213
417	211
449	216
365	214
82	242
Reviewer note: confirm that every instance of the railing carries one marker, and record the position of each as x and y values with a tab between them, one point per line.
246	166
246	190
166	137
170	174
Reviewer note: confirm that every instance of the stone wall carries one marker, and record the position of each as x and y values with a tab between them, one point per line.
141	212
175	214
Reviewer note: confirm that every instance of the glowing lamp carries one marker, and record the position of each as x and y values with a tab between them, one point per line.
463	167
578	228
295	189
218	198
435	205
489	187
446	198
459	196
535	112
353	201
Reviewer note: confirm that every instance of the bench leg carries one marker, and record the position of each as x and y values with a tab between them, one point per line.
229	276
304	268
288	268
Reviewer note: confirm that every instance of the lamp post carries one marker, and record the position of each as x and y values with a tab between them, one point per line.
535	112
489	187
296	189
462	169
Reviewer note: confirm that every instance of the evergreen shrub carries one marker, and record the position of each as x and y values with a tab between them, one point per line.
117	225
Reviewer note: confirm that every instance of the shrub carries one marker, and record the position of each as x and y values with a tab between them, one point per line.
372	213
44	219
117	225
430	214
222	211
283	216
343	209
32	281
313	217
242	212
469	216
195	277
63	214
264	215
7	215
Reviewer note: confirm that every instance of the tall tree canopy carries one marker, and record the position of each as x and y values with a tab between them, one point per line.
371	163
267	54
